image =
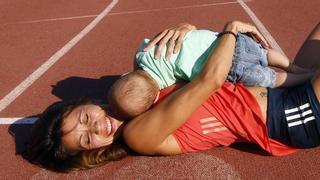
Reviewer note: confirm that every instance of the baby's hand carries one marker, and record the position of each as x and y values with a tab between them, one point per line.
171	37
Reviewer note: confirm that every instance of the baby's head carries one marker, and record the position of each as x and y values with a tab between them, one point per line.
133	94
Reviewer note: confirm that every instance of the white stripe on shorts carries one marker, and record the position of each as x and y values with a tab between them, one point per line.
297	117
297	108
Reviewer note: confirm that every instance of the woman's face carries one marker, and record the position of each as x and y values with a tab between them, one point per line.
88	127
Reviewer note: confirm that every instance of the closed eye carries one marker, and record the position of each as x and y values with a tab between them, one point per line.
86	119
85	141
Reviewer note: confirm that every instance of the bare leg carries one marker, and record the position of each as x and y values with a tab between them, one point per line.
308	55
285	79
276	59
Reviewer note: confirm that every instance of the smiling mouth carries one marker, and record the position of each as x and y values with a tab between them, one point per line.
109	126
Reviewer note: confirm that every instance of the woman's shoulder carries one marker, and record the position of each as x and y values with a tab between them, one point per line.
168	90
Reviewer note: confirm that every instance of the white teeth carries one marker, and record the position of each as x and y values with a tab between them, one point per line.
108	126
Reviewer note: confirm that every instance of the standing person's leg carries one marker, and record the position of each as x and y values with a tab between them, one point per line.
298	124
310	52
308	55
316	85
285	79
276	59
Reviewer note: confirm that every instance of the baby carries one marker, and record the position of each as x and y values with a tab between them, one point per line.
135	92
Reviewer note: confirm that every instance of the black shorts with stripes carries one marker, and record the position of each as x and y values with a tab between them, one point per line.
294	116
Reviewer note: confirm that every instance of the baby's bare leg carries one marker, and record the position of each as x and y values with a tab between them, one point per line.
276	59
286	79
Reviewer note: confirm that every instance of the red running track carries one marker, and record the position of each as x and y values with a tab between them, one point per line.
32	31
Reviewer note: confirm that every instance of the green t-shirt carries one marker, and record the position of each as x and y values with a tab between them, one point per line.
184	65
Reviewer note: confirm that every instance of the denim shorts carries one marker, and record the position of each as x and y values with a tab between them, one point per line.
294	116
250	64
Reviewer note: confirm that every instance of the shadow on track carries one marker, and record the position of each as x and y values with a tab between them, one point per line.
250	148
80	87
20	131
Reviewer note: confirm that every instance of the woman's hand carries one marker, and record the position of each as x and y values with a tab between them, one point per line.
172	37
241	27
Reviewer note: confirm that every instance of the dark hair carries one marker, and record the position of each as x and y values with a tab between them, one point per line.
45	148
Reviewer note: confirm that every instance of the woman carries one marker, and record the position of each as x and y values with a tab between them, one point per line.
202	114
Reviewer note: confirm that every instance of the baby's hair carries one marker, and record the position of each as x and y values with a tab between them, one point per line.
132	94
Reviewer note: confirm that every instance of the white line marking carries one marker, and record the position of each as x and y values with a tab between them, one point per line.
305	121
211	125
261	27
204	120
306	113
289	118
309	119
214	130
175	8
291	110
295	123
302	107
18	120
55	19
127	12
9	98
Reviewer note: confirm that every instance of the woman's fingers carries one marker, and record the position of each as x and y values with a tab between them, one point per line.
172	38
260	37
156	40
172	44
179	41
248	28
163	42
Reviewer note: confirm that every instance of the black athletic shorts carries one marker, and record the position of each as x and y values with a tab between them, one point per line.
294	116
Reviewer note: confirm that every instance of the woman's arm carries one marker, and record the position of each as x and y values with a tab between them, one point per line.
147	133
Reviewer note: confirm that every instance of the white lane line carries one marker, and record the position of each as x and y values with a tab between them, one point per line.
18	120
175	8
261	27
55	19
129	12
9	98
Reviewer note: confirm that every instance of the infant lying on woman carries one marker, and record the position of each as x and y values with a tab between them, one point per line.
135	92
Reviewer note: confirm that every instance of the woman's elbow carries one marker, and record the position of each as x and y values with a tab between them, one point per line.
218	82
214	80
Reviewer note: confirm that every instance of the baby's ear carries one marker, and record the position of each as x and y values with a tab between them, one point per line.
157	97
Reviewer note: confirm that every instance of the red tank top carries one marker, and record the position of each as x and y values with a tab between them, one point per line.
230	115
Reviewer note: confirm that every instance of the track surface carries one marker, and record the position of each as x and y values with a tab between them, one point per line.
31	32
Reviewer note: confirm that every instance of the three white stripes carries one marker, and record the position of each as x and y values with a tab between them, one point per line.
211	125
295	117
